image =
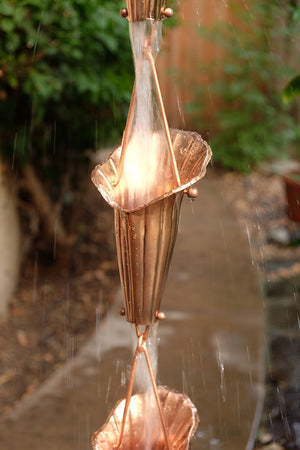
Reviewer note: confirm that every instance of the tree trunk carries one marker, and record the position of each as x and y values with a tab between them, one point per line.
47	210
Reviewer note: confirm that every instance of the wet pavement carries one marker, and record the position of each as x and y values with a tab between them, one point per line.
210	346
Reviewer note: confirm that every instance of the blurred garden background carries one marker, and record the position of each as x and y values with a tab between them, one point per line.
66	76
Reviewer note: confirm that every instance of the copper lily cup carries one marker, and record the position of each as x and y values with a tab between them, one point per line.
179	412
145	238
146	235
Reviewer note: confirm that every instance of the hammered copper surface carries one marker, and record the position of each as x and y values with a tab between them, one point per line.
143	427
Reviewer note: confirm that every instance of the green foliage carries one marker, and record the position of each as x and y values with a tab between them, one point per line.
66	76
250	122
291	90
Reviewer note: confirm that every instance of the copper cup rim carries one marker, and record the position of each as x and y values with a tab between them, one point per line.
176	190
194	419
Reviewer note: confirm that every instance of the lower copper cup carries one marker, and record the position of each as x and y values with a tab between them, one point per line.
146	235
143	428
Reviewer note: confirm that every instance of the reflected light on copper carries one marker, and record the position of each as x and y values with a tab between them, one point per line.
180	417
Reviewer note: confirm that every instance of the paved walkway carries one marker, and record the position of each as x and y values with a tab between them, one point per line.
210	345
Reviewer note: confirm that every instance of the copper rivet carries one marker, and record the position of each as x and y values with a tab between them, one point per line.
122	311
160	315
124	13
192	192
168	12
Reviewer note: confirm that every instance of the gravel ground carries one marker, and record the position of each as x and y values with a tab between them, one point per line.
259	201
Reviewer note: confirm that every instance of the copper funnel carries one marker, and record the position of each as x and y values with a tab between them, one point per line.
143	428
145	241
146	235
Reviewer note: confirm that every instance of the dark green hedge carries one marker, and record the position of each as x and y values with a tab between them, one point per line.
65	76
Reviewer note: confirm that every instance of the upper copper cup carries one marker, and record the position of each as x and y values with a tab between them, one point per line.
146	235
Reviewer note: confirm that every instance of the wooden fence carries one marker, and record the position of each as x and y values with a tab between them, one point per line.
183	53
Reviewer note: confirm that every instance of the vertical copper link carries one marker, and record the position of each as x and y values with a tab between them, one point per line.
163	115
142	348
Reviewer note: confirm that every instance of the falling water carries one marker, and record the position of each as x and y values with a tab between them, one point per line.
142	379
147	168
143	384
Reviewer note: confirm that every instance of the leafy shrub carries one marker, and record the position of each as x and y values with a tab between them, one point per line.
250	123
65	77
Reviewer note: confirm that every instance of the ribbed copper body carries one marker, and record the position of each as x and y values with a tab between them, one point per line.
180	416
145	241
144	9
146	236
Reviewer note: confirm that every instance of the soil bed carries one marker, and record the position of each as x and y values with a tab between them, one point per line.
60	298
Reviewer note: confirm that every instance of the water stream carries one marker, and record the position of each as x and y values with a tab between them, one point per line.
147	168
142	378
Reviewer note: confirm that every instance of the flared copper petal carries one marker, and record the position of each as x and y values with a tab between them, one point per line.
143	428
192	155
